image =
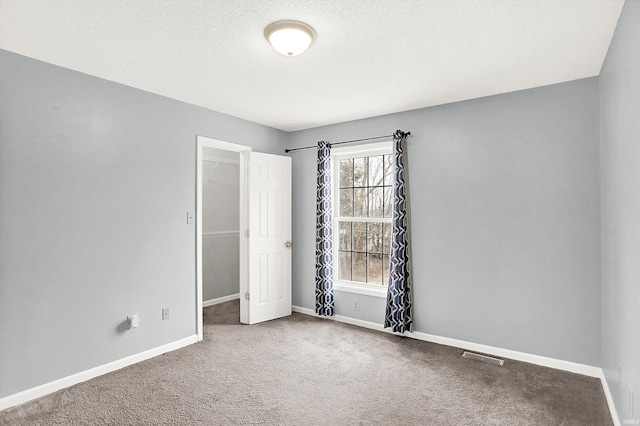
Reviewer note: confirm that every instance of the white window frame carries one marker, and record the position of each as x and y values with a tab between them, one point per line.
342	153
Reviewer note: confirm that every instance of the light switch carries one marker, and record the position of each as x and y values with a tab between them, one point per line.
189	218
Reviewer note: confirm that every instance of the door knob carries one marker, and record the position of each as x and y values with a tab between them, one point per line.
288	244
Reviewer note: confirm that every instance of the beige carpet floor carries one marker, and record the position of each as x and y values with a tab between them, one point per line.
302	370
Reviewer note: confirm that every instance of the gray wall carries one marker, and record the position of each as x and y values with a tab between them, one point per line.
505	206
620	112
220	213
95	183
506	220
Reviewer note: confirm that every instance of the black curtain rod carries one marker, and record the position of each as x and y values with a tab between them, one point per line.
340	143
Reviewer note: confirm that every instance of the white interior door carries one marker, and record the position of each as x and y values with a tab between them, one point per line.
269	237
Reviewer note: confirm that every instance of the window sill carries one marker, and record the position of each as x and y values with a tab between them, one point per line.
367	290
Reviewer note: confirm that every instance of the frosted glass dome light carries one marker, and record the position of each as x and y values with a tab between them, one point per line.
289	38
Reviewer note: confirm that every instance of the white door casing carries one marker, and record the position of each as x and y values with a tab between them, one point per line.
243	151
269	237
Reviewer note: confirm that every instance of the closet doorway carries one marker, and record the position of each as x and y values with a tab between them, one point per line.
220	226
243	230
220	170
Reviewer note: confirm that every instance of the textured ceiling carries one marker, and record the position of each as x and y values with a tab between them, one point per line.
371	57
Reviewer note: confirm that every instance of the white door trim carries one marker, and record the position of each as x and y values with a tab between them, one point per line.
201	143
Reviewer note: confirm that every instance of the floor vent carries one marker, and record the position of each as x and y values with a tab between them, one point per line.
483	358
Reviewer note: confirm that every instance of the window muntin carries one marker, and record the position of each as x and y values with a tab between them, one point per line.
362	225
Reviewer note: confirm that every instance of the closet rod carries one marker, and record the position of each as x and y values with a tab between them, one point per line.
340	143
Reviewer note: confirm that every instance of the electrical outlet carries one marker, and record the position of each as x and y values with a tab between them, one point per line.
165	314
356	305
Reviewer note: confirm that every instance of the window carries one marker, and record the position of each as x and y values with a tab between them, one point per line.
362	192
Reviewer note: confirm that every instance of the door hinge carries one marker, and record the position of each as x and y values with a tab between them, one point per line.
246	295
246	233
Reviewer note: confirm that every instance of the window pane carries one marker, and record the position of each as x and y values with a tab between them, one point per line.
374	237
344	271
346	173
385	270
360	172
360	203
376	208
346	202
376	171
374	269
359	267
386	238
359	236
388	170
344	238
388	205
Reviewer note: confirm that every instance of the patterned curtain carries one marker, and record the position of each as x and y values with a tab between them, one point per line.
324	242
399	312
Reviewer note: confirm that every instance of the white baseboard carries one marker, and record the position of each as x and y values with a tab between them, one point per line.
222	299
559	364
587	370
607	394
56	385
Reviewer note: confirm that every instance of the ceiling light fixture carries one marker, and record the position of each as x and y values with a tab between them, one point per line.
289	38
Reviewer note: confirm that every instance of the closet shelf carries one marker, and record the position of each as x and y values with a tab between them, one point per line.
220	234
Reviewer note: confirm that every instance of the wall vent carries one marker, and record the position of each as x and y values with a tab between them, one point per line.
483	358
